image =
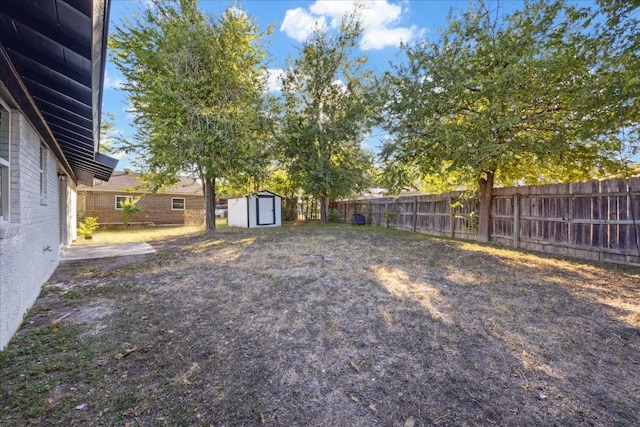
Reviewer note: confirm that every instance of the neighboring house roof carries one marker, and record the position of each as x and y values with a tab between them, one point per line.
375	193
52	62
129	181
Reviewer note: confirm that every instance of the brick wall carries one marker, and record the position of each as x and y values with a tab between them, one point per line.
30	248
156	208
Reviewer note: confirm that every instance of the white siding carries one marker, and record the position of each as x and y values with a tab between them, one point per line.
29	248
251	202
278	211
237	212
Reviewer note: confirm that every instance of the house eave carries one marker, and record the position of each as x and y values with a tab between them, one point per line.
52	63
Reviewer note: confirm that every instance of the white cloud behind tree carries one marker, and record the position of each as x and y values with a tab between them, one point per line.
382	22
274	79
112	81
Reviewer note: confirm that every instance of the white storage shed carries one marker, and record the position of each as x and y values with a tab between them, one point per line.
262	209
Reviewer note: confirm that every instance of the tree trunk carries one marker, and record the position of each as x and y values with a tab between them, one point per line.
486	196
209	188
324	218
290	208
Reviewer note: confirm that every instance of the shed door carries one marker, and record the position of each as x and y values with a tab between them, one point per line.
266	210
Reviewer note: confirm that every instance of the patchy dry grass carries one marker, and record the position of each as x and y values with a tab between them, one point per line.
145	234
316	326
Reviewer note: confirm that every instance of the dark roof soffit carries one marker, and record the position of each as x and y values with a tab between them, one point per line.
9	76
53	55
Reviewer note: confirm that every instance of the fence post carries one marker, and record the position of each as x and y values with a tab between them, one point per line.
415	213
516	220
452	218
386	213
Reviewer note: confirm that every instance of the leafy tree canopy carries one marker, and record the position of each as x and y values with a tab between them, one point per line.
616	34
502	98
327	104
196	87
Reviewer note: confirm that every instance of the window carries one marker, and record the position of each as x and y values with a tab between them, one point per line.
4	164
177	203
43	174
122	199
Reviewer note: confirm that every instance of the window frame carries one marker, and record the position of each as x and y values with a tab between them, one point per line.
184	204
118	208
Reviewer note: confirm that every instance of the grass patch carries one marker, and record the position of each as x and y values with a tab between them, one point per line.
146	234
138	234
329	325
38	370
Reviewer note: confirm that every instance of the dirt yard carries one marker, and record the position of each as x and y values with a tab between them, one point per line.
328	326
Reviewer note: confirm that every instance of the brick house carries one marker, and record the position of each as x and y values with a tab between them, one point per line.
52	57
182	204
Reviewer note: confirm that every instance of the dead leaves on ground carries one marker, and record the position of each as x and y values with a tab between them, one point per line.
184	378
125	353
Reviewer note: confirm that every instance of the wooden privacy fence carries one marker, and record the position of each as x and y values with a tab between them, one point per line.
596	220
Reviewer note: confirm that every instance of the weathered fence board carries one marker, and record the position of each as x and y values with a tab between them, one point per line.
595	220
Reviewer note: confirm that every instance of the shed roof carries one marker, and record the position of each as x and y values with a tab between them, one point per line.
261	192
52	61
124	181
266	191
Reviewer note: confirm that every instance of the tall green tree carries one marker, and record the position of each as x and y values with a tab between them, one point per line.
615	32
500	99
196	88
327	106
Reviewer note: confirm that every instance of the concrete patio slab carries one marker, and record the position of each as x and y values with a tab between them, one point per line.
81	252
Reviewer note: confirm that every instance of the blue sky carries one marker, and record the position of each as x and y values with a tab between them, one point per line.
387	23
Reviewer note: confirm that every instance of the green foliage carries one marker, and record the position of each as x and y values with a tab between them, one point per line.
472	223
129	208
335	216
107	127
390	216
281	183
499	96
196	87
616	36
88	226
505	100
328	106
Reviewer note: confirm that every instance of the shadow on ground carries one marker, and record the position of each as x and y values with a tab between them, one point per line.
336	325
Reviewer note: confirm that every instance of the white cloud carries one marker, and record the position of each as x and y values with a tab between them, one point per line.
148	4
299	24
131	112
332	9
111	82
120	155
381	21
339	84
379	38
237	12
274	79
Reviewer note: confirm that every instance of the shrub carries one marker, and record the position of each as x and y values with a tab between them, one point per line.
334	216
129	209
87	226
